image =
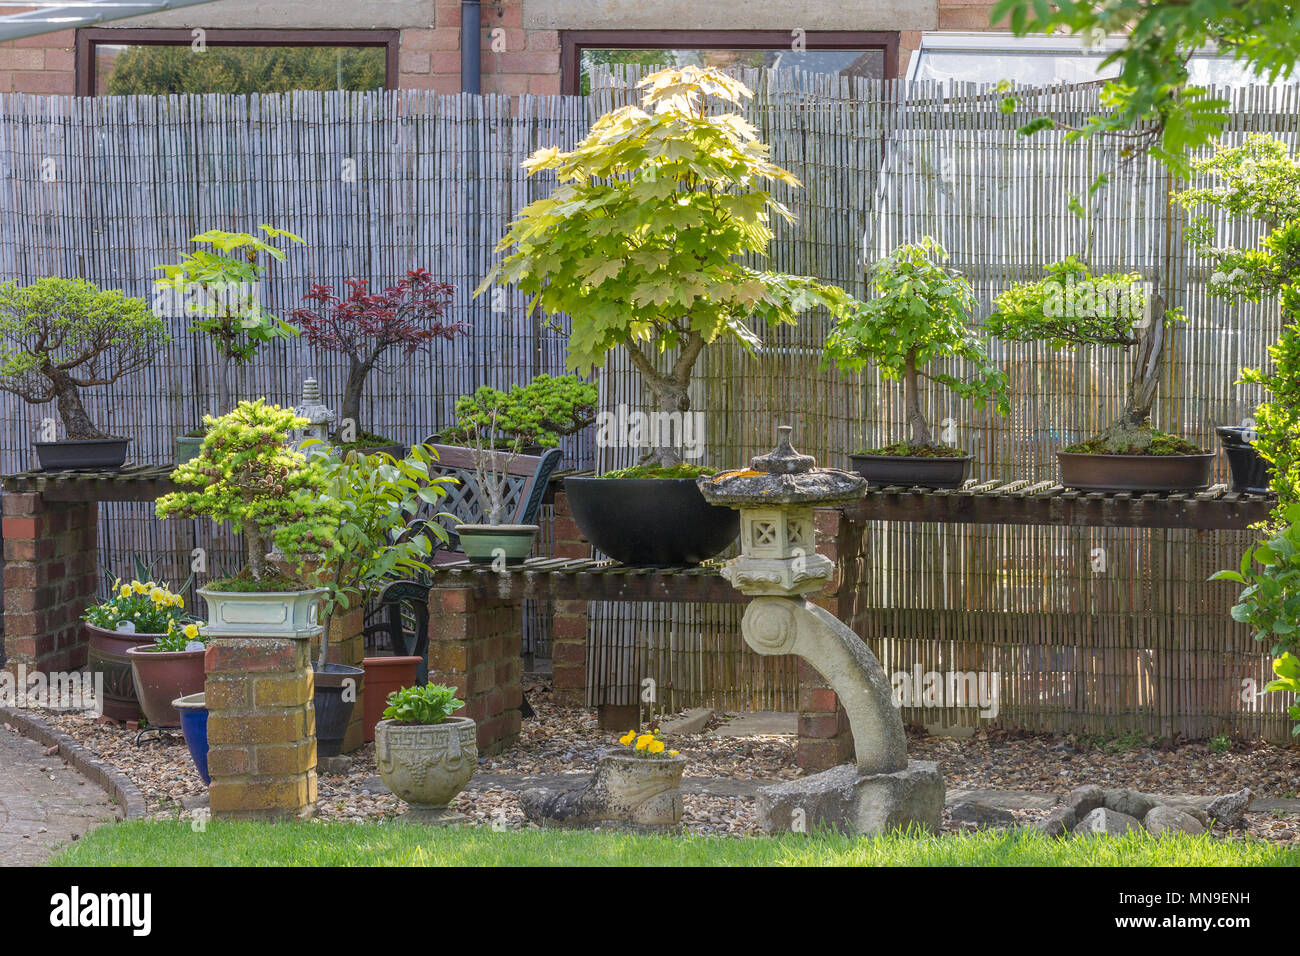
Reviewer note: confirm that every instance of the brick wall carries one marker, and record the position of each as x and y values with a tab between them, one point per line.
569	627
51	576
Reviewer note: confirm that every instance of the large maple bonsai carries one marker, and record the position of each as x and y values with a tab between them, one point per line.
362	326
642	241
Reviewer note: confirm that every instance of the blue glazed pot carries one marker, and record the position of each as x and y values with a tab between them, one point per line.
194	725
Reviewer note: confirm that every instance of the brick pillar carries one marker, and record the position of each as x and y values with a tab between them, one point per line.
51	576
474	646
261	727
825	740
348	646
569	646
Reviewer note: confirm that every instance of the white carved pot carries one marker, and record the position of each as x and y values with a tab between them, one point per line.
645	791
427	764
261	614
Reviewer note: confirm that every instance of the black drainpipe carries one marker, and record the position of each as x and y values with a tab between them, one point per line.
471	20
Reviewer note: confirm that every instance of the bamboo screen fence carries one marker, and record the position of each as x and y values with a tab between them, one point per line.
380	182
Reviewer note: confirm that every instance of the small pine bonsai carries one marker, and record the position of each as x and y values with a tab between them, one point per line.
58	336
539	413
247	475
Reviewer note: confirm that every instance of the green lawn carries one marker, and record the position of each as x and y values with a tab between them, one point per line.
315	844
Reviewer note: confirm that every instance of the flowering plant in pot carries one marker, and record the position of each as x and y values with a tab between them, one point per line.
643	243
58	336
920	314
134	613
424	754
219	285
406	317
1071	308
170	667
531	417
378	496
246	474
1258	181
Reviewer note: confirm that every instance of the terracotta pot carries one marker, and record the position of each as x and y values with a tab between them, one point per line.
427	764
163	676
383	676
106	656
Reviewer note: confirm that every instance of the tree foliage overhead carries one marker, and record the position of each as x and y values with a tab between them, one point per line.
60	335
153	69
1151	104
641	241
920	313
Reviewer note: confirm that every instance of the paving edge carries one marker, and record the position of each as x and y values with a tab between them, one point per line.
111	780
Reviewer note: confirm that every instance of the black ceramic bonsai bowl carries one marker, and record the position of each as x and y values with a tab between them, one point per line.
882	471
1149	473
1250	470
82	453
651	521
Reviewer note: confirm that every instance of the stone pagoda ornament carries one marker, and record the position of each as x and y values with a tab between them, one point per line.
778	565
319	416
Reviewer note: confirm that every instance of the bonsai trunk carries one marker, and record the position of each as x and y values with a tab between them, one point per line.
76	422
1132	431
671	391
919	427
255	541
352	389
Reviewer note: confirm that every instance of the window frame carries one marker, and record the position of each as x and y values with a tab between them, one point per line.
573	42
89	38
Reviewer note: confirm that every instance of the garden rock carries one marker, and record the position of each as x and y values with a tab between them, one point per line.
634	792
1083	800
1106	822
980	815
1163	819
1231	808
1059	821
851	802
1128	802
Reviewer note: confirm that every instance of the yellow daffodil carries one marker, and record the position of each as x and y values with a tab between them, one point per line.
643	741
125	590
627	738
191	632
655	746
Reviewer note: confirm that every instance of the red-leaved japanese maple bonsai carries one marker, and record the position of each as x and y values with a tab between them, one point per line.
407	316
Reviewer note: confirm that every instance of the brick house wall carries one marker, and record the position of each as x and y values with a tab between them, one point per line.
517	55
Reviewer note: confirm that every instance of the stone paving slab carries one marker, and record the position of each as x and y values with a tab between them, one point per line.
760	722
44	803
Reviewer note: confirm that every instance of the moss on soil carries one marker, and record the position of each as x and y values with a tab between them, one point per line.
682	470
905	449
1153	442
243	583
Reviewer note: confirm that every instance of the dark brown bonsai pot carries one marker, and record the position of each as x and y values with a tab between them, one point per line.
908	471
1088	472
163	676
77	453
106	656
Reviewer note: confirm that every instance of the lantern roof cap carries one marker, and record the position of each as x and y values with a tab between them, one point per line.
783	476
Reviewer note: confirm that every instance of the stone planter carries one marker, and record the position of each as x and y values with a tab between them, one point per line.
185	447
106	656
260	613
427	764
635	792
483	542
161	677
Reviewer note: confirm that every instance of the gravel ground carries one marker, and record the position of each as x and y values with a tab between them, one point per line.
566	740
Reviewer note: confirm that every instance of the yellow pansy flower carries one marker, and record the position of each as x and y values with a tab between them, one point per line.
672	753
627	738
125	590
158	596
191	632
139	588
178	600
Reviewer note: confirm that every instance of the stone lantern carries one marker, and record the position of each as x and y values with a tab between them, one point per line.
778	565
318	415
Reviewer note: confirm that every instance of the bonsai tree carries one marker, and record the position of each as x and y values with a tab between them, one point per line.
539	413
58	336
920	313
365	325
246	474
1070	307
1260	181
378	496
219	287
641	242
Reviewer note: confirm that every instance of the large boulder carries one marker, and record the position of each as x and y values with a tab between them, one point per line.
1106	822
981	816
1163	819
1083	800
1128	802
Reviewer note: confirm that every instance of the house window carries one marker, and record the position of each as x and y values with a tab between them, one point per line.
840	53
121	62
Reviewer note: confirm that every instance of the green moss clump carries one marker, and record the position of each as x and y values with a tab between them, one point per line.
366	440
1154	442
906	449
244	583
681	470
